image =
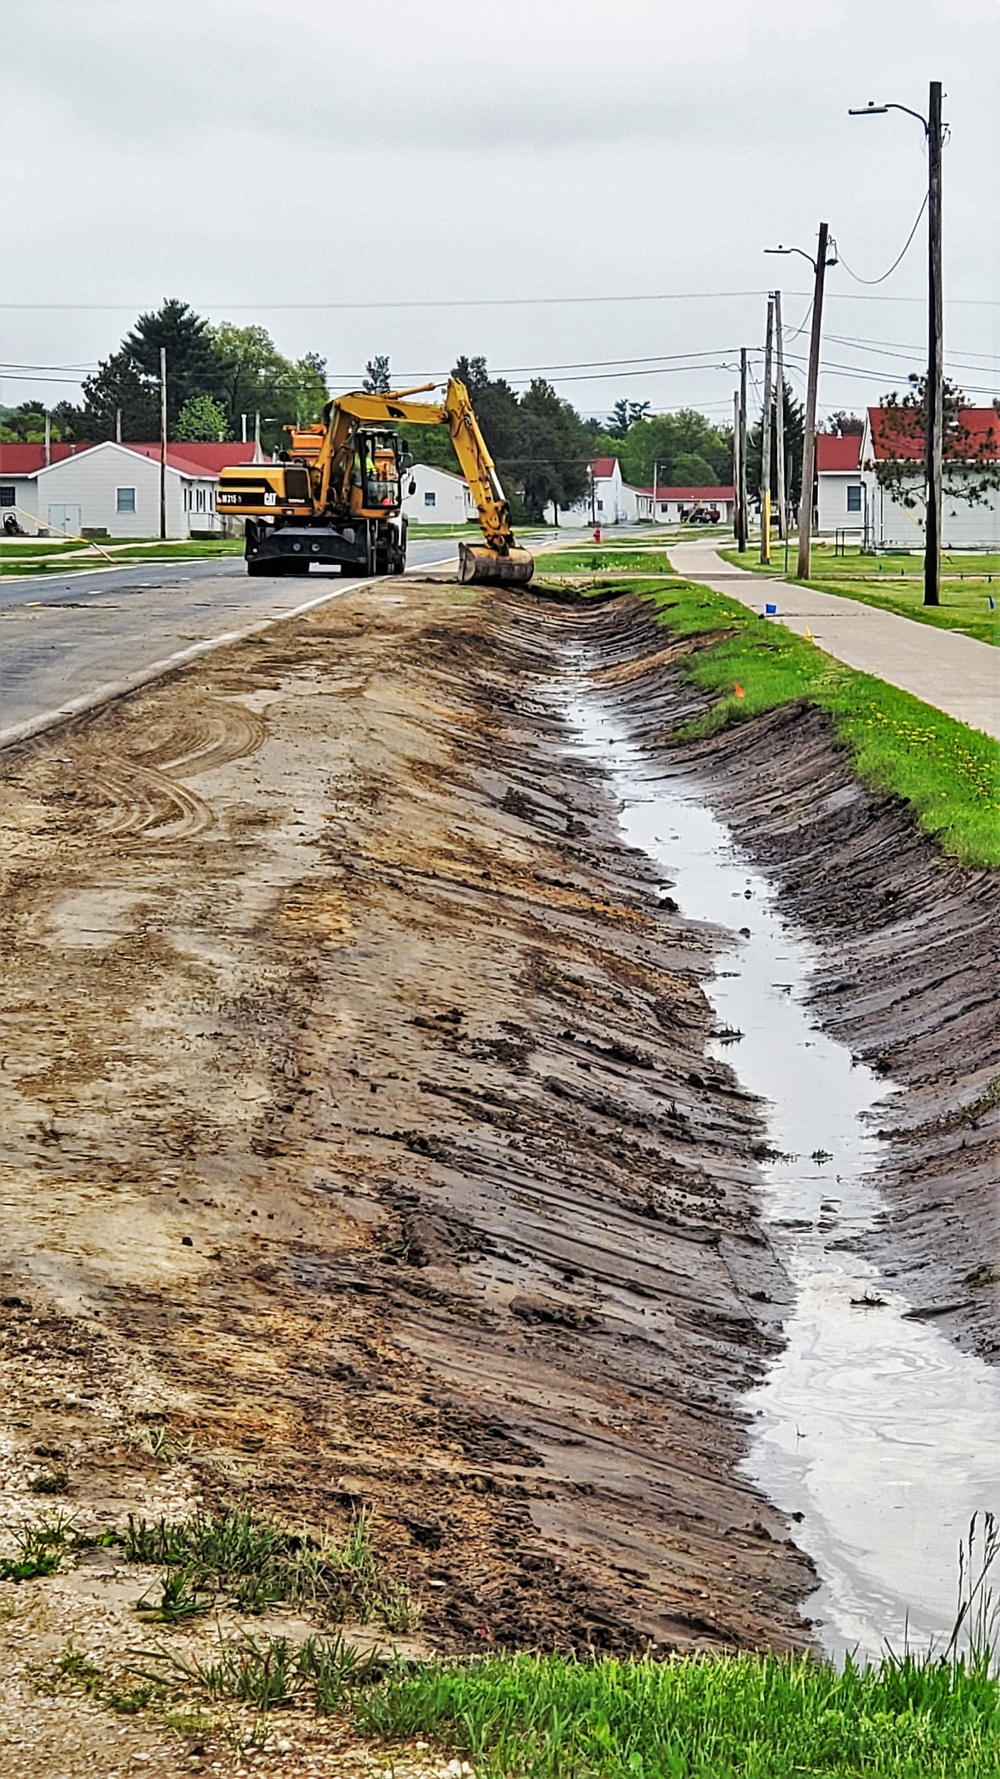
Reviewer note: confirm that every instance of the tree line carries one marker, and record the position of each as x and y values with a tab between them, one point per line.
216	375
219	373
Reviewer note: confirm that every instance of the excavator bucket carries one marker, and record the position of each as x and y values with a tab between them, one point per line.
477	562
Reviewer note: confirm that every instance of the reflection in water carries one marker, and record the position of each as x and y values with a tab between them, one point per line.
878	1432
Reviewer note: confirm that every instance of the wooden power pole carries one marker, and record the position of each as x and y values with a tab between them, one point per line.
737	519
809	438
765	442
779	419
934	399
163	441
744	515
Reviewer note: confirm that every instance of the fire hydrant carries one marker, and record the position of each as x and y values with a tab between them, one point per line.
597	534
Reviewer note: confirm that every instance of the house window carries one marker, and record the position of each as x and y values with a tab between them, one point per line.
430	499
664	507
8	497
854	499
201	500
125	500
600	506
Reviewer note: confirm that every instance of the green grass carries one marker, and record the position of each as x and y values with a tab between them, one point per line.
948	773
598	559
58	557
743	1717
895	582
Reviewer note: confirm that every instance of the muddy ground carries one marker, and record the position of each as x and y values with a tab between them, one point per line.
361	1148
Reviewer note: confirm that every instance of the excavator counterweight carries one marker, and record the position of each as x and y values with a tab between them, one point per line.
336	495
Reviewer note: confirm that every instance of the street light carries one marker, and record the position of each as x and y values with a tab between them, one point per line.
824	258
934	397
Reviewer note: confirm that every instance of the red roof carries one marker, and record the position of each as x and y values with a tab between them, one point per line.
603	467
203	460
196	459
981	424
834	452
26	460
686	494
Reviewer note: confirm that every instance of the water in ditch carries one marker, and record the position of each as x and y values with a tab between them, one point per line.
880	1436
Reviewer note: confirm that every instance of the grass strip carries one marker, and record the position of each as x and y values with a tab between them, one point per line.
751	1716
968	584
947	772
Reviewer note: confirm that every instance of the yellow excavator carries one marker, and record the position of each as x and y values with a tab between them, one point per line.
336	494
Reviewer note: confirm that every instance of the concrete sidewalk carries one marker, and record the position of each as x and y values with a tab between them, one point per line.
954	673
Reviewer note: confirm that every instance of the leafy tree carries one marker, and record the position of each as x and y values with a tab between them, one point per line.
624	415
201	417
845	425
377	381
971	462
118	385
667	440
691	470
194	365
553	450
257	379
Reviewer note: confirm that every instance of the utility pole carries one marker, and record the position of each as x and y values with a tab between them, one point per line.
779	421
256	433
244	420
934	396
765	442
809	438
48	437
163	441
737	513
118	426
934	401
744	515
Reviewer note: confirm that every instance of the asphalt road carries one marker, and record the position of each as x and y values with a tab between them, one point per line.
66	639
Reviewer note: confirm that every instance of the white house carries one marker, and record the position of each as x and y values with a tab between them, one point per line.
439	497
965	524
842	497
608	501
675	506
112	490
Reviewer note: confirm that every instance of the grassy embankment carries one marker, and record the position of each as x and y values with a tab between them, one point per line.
519	1716
62	556
896	583
948	773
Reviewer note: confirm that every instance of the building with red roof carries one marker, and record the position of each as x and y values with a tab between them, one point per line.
841	496
113	490
669	505
969	520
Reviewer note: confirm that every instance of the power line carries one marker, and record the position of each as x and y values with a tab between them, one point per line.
663	296
858	280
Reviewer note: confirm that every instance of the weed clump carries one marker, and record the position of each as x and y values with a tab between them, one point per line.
250	1564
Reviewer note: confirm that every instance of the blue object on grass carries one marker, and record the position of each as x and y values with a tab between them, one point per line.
770	611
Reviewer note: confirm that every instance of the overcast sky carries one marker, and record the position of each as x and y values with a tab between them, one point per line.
431	177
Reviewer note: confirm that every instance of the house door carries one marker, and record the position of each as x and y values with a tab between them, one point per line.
66	519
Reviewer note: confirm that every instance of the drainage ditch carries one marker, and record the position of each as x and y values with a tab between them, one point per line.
872	1431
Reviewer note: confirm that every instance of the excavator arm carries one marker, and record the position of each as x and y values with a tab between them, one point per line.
336	494
499	559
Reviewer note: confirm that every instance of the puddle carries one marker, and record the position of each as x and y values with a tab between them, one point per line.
876	1432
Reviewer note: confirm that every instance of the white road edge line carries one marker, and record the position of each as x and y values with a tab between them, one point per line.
113	689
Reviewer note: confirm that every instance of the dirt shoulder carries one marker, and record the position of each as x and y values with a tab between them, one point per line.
361	1150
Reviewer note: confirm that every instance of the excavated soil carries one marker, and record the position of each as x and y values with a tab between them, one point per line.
361	1148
